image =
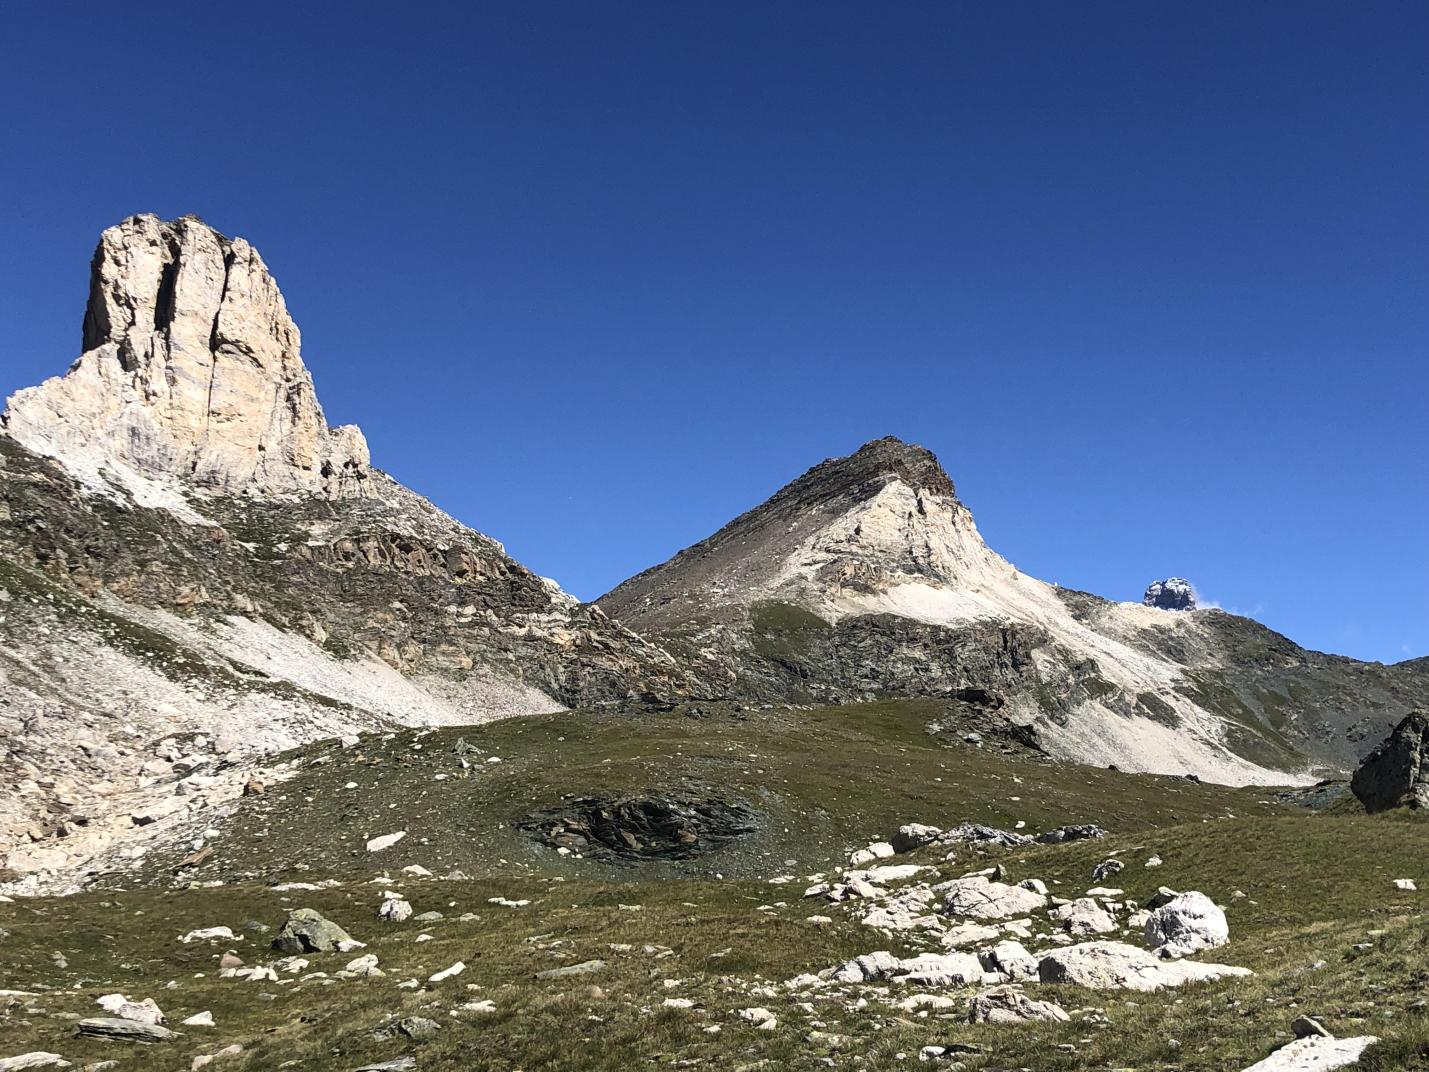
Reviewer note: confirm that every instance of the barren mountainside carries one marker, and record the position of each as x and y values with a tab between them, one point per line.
187	551
867	577
197	573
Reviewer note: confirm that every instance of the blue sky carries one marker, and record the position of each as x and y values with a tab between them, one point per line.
1152	279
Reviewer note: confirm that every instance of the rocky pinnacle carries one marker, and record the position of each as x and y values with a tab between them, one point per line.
190	371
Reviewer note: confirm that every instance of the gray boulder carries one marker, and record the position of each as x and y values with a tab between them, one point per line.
115	1027
981	899
307	931
1318	1053
1007	1005
1396	774
1083	918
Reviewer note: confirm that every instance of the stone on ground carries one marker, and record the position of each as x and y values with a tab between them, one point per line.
307	931
1118	966
1008	1005
1317	1053
1186	924
981	899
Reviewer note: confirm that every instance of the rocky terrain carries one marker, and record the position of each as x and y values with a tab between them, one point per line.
189	554
901	901
836	787
867	577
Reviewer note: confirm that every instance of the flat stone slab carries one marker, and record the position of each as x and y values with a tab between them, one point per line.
1318	1053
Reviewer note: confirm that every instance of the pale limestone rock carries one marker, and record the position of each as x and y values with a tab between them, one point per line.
33	1059
190	372
1116	965
1084	917
1318	1053
981	899
1186	924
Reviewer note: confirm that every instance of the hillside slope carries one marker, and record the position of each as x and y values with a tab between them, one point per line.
189	553
867	577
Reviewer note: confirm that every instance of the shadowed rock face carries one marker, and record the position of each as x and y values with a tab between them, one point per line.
1174	593
191	370
1396	774
641	828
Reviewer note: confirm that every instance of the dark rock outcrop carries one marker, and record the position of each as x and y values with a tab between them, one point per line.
1174	593
1396	774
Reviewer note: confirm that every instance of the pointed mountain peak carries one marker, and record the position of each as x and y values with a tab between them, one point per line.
191	372
866	472
885	515
890	457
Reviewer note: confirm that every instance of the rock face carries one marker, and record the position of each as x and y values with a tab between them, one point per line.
1396	774
1174	593
190	369
176	508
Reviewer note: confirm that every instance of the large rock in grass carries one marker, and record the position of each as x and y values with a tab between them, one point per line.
982	899
1118	966
33	1059
307	931
1396	774
1008	1005
1319	1053
119	1029
1187	923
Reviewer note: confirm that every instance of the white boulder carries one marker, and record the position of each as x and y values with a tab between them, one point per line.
1186	924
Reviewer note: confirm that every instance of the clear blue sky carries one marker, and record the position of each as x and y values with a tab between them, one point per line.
1152	279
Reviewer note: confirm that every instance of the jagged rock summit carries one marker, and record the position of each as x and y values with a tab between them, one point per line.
1174	593
190	372
188	553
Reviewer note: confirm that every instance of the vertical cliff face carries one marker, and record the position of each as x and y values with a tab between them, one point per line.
191	371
